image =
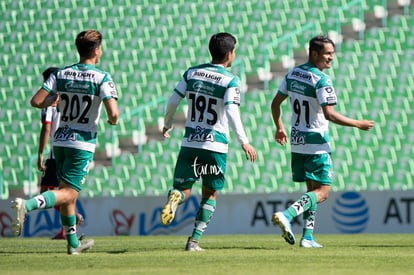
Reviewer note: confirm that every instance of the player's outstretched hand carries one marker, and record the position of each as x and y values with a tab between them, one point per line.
52	100
281	136
165	132
366	124
250	152
40	165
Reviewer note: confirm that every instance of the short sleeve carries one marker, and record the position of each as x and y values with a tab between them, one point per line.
107	88
233	92
325	92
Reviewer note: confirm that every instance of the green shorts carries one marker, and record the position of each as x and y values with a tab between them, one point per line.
72	165
193	164
318	168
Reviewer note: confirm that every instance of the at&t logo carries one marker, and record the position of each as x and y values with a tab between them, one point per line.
350	213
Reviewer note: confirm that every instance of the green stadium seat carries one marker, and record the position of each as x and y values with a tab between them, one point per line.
121	172
245	184
341	168
228	186
137	32
113	187
399	21
339	183
93	188
157	186
349	57
2	128
99	171
17	161
372	44
381	181
10	176
135	186
13	13
275	167
268	183
4	189
126	159
164	168
367	69
344	154
232	171
403	181
5	150
357	181
32	5
144	171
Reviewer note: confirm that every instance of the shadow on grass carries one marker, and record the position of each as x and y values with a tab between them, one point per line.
117	251
385	245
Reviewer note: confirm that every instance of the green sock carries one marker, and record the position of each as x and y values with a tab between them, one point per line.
43	201
305	202
309	223
204	214
69	224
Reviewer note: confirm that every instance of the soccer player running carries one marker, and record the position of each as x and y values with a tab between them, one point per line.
312	99
50	121
80	89
213	97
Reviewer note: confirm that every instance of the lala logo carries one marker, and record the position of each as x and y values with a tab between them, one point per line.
122	223
151	224
5	225
201	135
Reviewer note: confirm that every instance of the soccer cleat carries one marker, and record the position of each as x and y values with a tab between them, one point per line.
192	245
82	236
168	212
20	215
60	235
280	220
309	243
79	219
83	246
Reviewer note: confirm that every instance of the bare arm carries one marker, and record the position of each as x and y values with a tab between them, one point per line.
43	140
233	115
111	107
281	135
337	118
43	99
172	105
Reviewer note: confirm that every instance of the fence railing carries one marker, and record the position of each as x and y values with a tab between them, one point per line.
139	111
289	37
340	15
289	51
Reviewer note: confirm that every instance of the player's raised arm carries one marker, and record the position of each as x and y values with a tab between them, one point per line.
337	118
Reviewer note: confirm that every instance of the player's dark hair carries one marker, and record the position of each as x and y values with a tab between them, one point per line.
46	73
87	41
317	43
221	44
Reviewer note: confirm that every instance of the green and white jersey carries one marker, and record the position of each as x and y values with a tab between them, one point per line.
309	90
208	88
81	89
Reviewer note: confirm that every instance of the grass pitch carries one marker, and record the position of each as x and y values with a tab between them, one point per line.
228	254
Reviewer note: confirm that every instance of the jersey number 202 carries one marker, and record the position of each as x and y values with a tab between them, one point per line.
75	108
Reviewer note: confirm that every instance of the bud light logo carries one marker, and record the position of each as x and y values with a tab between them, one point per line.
350	213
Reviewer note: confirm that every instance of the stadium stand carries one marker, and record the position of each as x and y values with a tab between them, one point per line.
148	45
